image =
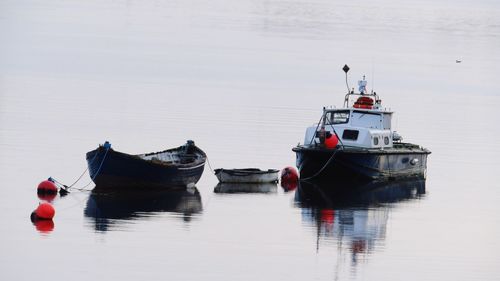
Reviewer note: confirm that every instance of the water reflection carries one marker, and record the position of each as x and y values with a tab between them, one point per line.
246	188
355	217
43	226
108	209
373	194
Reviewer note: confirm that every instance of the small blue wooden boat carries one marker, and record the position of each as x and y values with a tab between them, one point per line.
172	168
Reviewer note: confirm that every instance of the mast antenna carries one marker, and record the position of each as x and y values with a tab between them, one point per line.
373	78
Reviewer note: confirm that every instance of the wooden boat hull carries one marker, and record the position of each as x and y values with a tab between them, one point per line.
249	175
320	164
110	169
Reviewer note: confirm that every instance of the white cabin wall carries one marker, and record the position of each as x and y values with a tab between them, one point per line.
366	120
381	135
365	136
370	125
387	121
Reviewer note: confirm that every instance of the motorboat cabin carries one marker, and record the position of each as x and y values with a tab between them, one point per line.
357	127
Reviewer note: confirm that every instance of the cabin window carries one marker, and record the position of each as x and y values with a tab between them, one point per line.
350	135
366	119
337	117
386	140
375	141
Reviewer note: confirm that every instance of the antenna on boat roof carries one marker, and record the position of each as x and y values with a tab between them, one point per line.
373	78
346	69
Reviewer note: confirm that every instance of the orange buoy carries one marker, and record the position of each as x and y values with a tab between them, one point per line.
44	211
47	187
331	141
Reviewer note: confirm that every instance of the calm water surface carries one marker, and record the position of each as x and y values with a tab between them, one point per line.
244	79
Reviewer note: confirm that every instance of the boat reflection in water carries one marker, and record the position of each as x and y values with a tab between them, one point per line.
111	208
355	217
246	188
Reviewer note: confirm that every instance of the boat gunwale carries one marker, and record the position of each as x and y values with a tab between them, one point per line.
245	171
407	148
197	161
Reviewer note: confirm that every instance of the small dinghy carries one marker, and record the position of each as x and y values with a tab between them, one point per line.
172	168
248	175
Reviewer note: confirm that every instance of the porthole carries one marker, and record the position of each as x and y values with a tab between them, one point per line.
375	141
386	140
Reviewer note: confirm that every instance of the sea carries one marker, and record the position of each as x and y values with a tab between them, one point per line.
244	79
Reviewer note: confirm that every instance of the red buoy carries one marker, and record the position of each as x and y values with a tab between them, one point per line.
331	141
288	186
364	102
289	178
45	211
47	187
289	174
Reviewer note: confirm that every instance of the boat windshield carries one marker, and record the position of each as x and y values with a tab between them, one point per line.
337	117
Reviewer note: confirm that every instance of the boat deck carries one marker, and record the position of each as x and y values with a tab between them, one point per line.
398	148
165	156
169	157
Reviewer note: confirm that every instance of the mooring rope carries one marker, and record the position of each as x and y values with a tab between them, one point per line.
324	166
65	187
80	177
210	166
102	162
331	157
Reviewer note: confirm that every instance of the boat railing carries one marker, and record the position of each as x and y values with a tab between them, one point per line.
351	94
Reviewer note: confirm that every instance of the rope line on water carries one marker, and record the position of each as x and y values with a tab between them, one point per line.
65	187
211	195
210	166
80	177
